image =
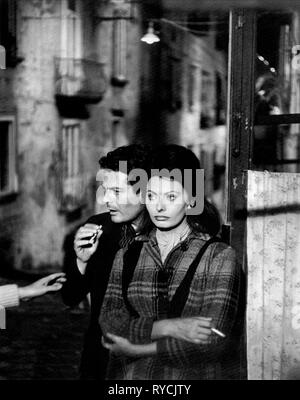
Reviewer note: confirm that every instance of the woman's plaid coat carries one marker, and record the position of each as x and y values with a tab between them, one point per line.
215	292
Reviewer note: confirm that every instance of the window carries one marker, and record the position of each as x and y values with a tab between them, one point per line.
72	183
276	136
119	73
71	32
69	65
8	30
8	181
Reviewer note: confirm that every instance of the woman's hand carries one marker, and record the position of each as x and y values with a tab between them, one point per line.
50	283
119	345
194	329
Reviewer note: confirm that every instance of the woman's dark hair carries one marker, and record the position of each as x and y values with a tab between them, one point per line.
174	157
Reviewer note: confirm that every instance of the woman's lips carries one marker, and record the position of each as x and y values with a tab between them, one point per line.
160	218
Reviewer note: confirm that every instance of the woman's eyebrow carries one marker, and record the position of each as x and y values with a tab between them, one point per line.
170	192
151	191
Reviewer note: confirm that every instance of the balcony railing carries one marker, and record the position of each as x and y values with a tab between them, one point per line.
80	78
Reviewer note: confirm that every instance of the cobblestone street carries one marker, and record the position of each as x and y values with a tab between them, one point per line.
42	340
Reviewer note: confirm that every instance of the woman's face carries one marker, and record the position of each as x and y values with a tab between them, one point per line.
166	202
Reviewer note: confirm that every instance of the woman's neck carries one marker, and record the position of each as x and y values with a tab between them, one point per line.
179	230
168	239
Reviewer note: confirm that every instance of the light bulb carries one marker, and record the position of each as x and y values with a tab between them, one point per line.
150	37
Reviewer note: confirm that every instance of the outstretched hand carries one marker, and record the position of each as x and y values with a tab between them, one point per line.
50	283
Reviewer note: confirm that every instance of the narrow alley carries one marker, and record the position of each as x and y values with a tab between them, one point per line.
42	340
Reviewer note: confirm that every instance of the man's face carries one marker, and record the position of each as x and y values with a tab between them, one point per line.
122	202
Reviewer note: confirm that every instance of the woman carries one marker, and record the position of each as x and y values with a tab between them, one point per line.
158	313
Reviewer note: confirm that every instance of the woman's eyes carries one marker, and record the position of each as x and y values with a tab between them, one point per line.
150	196
171	197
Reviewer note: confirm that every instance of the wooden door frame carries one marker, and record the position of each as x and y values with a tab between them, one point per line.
242	55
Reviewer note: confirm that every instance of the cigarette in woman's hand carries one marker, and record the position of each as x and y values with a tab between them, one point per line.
217	332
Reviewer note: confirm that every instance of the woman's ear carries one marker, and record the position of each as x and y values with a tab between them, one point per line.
191	203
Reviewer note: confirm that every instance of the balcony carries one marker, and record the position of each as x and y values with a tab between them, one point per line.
79	81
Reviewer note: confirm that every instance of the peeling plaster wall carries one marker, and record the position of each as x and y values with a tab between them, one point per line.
34	228
38	127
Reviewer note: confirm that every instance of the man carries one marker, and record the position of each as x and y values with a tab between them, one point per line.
88	265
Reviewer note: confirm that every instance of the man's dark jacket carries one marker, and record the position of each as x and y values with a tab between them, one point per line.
94	281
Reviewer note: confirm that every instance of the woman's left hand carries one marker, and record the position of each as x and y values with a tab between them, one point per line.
119	345
123	346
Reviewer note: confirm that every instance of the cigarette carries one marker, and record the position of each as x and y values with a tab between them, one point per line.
218	332
93	238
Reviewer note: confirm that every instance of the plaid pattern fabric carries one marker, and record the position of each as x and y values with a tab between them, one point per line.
214	293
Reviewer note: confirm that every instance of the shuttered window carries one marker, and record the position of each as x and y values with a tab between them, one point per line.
7	156
8	30
119	70
72	182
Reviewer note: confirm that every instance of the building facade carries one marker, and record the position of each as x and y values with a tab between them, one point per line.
79	82
67	97
187	74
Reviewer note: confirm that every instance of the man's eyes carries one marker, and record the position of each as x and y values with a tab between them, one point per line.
114	190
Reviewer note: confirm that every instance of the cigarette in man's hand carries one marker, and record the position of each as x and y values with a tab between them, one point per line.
217	332
93	238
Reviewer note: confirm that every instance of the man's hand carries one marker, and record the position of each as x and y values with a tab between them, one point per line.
50	283
119	345
86	241
194	329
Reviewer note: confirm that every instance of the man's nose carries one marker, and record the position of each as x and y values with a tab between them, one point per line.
106	197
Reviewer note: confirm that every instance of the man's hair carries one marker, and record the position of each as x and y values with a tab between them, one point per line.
137	156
